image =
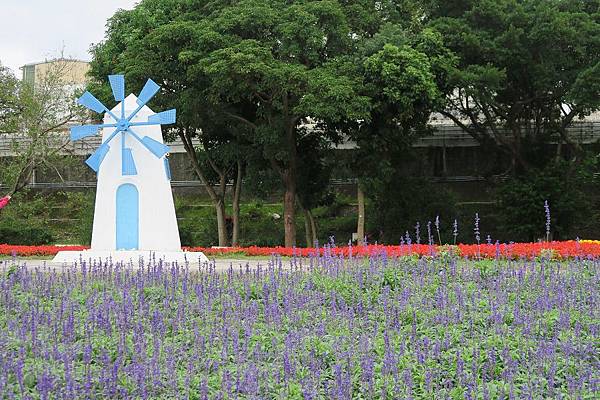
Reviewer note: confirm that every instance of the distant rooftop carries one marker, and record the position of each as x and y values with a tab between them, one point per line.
32	64
438	119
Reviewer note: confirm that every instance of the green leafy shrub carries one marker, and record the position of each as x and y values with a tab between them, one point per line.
24	221
197	222
80	205
521	201
261	225
396	207
53	217
25	235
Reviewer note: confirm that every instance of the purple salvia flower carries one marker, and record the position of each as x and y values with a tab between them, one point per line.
455	230
418	232
547	212
477	234
429	238
429	235
408	381
476	228
45	385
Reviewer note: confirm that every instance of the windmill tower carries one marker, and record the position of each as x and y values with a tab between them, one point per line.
134	210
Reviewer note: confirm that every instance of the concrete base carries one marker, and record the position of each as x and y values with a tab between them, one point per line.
133	256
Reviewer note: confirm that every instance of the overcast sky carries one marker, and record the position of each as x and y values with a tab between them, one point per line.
34	30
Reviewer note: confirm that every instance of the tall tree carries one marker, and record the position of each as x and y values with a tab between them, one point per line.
314	175
9	100
274	66
278	57
259	63
32	117
147	42
222	154
401	69
527	70
402	81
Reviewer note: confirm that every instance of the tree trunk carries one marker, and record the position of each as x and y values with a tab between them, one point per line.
221	211
218	199
289	177
558	151
360	226
237	192
313	228
310	228
221	223
307	229
289	208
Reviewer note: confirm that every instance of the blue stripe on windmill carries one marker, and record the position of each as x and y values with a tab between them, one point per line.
123	124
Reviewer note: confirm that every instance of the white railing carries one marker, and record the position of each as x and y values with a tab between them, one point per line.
585	132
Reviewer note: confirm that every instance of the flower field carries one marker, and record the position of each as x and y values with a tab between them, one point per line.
564	249
335	327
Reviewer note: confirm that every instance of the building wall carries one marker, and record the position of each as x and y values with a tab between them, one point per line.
28	74
72	72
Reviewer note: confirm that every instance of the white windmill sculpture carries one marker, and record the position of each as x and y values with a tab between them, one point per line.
134	211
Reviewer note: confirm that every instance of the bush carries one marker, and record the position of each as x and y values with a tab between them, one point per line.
521	201
397	207
262	225
79	206
199	231
25	235
40	218
337	219
24	221
197	222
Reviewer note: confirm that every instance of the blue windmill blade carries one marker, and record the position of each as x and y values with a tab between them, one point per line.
148	91
157	148
154	146
95	160
97	157
167	168
80	132
163	118
127	163
117	84
88	100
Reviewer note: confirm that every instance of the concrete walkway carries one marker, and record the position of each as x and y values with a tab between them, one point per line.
220	264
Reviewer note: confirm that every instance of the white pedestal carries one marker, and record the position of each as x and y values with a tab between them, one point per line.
130	256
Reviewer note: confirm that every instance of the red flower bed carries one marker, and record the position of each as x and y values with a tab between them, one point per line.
564	249
47	250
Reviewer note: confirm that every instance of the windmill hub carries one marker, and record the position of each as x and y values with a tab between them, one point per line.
123	124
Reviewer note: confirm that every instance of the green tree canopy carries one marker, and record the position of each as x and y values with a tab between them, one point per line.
527	69
9	94
31	118
250	61
274	67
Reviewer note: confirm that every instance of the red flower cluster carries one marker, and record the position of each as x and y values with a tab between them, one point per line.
11	249
564	249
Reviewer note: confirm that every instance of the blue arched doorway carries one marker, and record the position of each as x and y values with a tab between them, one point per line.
128	217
